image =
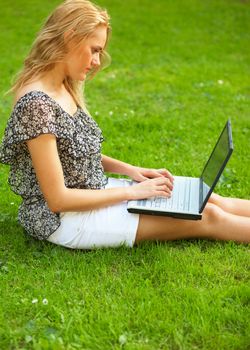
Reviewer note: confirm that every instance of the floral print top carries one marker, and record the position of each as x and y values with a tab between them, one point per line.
79	147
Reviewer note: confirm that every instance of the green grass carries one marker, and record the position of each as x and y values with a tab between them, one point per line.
168	106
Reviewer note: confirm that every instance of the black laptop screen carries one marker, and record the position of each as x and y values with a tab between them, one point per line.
216	163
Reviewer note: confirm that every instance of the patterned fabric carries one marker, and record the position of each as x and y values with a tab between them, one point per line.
79	147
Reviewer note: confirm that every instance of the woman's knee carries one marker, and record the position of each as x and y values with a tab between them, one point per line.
215	199
213	214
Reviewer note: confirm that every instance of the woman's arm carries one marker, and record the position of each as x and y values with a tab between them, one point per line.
49	172
115	166
136	173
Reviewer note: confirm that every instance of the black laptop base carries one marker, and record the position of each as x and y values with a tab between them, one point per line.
164	213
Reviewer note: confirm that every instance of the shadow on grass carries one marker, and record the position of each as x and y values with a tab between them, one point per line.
17	245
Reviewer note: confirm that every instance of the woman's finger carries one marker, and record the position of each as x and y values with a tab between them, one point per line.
141	178
164	188
151	173
166	173
164	181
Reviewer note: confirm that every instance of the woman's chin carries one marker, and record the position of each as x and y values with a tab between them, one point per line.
82	77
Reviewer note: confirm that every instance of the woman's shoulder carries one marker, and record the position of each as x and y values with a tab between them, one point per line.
28	90
32	103
37	93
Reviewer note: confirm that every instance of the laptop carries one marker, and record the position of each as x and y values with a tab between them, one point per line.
190	195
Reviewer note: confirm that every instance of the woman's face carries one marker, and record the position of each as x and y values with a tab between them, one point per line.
80	60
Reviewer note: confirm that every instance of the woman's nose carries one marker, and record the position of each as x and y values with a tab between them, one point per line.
96	60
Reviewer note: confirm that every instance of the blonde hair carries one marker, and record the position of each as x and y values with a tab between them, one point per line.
80	18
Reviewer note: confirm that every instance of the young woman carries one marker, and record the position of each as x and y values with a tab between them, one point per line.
54	149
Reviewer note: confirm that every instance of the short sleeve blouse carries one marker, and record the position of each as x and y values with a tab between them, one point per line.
79	147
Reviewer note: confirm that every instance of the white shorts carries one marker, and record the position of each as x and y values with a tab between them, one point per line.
106	227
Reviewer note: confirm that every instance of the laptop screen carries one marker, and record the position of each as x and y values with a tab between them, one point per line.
216	163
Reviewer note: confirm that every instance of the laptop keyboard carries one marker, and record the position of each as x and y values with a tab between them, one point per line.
180	198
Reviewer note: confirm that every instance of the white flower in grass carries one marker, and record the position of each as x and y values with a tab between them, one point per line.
96	113
45	301
12	203
111	113
220	82
122	339
34	301
62	318
28	338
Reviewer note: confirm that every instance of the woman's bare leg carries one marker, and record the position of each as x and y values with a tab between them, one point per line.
231	205
215	224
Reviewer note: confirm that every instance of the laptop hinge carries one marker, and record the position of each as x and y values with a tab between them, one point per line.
200	194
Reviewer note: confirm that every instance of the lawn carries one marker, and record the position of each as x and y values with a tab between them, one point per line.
179	70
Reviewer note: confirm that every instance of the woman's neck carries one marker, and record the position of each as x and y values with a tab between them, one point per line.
53	80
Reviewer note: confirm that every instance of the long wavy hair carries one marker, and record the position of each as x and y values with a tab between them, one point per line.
80	18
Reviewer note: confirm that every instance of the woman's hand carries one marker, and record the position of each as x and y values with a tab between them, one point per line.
136	173
141	174
159	186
